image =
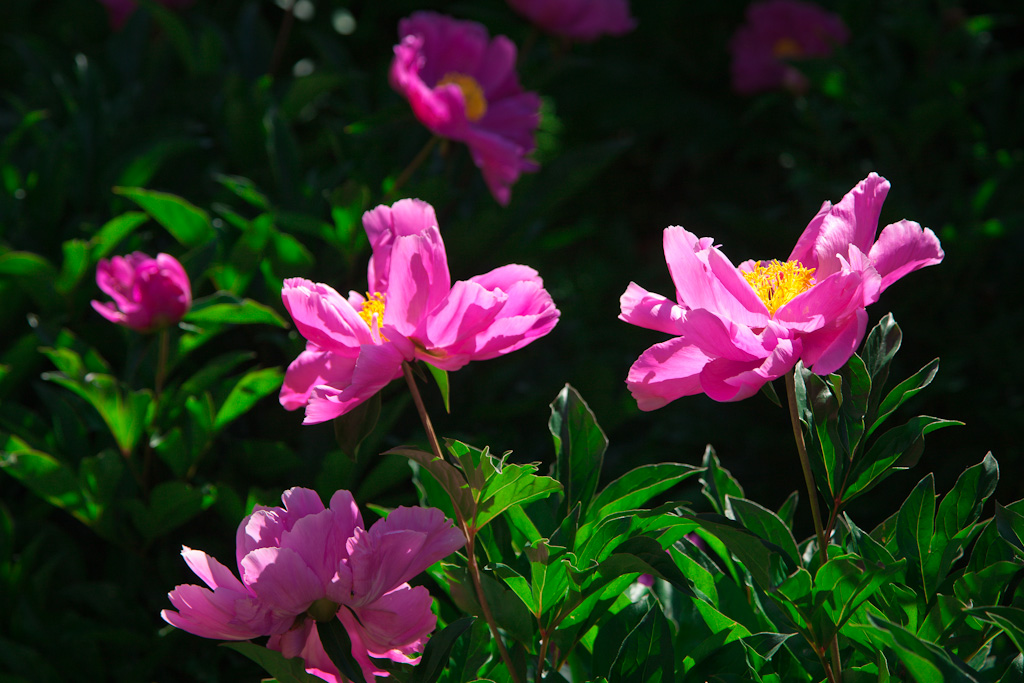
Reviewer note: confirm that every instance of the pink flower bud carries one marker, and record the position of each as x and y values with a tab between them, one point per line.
148	293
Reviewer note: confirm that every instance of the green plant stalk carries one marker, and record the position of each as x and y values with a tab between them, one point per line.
163	350
467	528
835	673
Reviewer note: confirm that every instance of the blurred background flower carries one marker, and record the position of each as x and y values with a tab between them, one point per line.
581	20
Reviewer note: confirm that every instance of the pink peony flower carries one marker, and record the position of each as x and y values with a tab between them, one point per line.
582	20
738	328
778	31
303	564
149	293
119	10
411	311
463	86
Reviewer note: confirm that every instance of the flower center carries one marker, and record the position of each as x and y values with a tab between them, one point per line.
323	609
472	93
776	283
372	311
786	48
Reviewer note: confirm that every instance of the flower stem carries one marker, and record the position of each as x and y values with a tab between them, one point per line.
467	527
282	38
834	672
417	160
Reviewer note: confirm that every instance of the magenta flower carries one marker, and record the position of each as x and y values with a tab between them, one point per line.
776	32
411	311
737	328
119	10
462	85
149	293
582	20
303	564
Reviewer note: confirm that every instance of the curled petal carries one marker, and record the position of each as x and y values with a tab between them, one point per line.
324	317
397	624
665	372
314	367
210	614
902	248
653	311
281	579
826	350
731	380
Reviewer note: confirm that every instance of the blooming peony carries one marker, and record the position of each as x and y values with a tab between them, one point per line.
411	311
737	328
582	20
120	10
303	564
777	31
463	86
149	293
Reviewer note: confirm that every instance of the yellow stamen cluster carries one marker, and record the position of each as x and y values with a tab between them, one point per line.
373	308
787	48
472	93
777	282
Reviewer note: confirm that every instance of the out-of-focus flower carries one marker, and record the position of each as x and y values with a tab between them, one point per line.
410	311
581	20
119	10
737	328
462	85
303	564
148	293
776	32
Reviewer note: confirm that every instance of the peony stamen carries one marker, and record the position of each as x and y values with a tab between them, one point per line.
776	283
472	93
372	312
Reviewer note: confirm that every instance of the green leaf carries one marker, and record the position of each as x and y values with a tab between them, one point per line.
352	428
635	644
848	581
447	476
579	448
767	525
188	224
962	506
226	308
508	485
435	655
926	662
519	585
338	646
274	663
638	486
441	378
746	546
718	482
1010	526
73	268
904	391
170	505
244	189
915	526
247	391
47	477
24	264
113	231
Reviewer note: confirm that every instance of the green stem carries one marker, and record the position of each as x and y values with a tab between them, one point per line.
163	350
407	172
835	671
467	527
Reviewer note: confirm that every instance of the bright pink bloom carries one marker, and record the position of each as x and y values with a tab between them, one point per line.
411	311
149	293
462	85
120	10
776	32
302	563
738	328
582	20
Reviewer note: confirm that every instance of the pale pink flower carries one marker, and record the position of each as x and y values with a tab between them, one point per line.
581	20
148	293
777	32
119	10
462	85
411	311
737	328
302	563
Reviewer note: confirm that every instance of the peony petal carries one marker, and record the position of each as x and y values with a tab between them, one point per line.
210	614
397	624
314	367
281	579
213	573
384	225
826	350
653	311
418	280
665	372
324	317
902	248
729	380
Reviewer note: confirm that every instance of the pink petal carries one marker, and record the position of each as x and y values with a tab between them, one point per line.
384	225
828	349
718	338
209	614
902	248
729	380
398	548
376	366
213	573
397	624
323	316
314	367
665	372
418	280
837	297
281	579
646	309
853	221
